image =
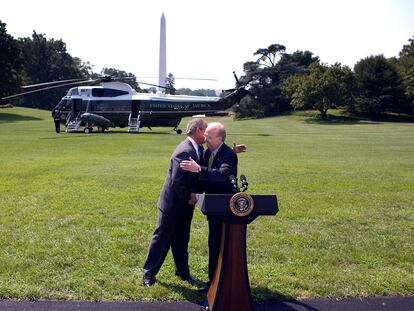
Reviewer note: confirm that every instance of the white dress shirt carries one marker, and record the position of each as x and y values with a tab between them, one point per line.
196	147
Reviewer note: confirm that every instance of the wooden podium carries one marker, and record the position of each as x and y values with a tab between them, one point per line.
230	288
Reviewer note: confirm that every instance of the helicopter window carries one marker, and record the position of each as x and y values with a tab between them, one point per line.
64	104
113	105
122	106
73	91
107	92
103	105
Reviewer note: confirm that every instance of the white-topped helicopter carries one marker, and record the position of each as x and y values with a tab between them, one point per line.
116	104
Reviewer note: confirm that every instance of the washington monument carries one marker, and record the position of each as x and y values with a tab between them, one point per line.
162	74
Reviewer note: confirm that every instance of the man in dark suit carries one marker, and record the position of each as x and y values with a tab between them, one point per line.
220	161
176	208
56	118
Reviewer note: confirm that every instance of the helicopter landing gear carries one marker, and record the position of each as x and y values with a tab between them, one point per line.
88	129
177	130
101	129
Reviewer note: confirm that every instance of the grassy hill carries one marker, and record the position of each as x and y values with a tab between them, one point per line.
77	211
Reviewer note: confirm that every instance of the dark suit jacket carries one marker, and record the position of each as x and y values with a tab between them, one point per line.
216	179
179	184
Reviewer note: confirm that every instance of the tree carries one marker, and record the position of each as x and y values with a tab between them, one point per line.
323	88
378	86
266	76
11	63
405	67
268	56
198	92
299	59
130	78
169	84
86	68
47	60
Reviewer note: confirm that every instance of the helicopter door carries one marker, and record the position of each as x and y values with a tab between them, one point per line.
76	107
134	108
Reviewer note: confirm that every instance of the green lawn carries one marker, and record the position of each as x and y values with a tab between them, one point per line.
77	211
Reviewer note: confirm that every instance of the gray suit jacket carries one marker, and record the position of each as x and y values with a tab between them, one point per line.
179	184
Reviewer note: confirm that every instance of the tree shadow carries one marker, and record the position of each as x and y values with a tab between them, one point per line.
158	133
339	120
120	131
393	118
251	134
80	134
64	136
11	117
359	119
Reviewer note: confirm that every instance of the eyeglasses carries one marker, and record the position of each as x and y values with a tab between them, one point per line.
210	138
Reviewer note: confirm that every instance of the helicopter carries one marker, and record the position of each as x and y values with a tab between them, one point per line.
114	103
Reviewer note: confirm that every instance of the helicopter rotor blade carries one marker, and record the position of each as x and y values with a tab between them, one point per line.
237	79
50	87
50	83
180	78
202	79
156	85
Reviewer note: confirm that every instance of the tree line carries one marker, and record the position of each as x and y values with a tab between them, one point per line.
279	81
36	59
283	82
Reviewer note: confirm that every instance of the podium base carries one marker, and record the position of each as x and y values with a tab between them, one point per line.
230	288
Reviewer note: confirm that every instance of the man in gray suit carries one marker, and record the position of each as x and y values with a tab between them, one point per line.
176	208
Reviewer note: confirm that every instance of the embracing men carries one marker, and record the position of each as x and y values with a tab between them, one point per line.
190	171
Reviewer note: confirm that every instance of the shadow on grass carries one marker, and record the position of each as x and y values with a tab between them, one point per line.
119	131
155	133
358	119
338	120
64	136
394	118
80	134
252	134
11	117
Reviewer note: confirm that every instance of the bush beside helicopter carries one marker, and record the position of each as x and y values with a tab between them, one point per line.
116	104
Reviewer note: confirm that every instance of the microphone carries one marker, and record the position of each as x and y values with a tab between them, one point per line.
233	181
244	182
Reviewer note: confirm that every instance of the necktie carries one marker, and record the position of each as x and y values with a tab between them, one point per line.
200	152
210	160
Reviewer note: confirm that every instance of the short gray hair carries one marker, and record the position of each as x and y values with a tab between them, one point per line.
194	124
221	130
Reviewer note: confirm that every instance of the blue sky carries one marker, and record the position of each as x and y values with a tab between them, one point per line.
210	39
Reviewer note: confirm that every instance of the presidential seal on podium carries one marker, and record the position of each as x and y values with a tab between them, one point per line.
241	204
